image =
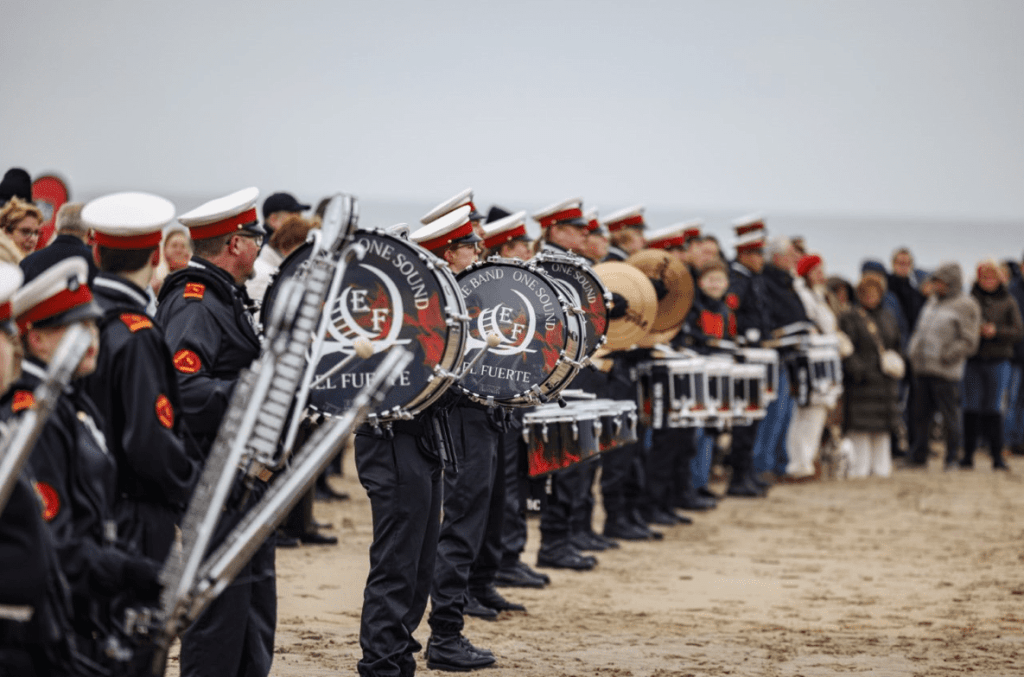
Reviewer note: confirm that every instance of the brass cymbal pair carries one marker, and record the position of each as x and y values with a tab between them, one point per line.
647	321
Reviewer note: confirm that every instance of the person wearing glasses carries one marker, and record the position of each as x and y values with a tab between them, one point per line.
206	316
21	222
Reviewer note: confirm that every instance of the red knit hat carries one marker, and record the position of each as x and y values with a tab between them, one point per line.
806	263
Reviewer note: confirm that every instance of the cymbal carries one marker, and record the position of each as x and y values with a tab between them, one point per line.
630	283
661	265
655	337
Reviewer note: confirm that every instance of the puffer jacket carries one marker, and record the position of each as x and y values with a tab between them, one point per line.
947	329
999	308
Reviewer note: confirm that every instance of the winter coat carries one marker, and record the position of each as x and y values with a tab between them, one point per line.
1016	290
816	305
947	330
871	397
1000	308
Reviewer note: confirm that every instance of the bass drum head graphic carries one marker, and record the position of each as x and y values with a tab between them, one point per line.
591	294
529	314
395	295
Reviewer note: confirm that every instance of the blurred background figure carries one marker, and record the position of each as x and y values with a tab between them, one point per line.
1013	422
987	373
72	237
947	333
177	252
869	386
21	223
16	183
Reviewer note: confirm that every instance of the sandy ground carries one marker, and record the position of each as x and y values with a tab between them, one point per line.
920	574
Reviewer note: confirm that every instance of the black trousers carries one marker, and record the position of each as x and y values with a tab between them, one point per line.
988	426
513	530
741	454
622	479
404	487
234	637
486	565
567	488
934	394
467	503
668	465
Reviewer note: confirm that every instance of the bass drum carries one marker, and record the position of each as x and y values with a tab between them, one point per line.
396	295
540	336
591	296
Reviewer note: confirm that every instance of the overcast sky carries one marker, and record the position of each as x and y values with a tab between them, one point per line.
858	107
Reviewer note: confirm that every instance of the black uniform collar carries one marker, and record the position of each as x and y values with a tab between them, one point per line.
556	248
741	269
118	289
615	253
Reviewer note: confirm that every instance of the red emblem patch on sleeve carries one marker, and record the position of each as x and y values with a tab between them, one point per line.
136	322
50	499
187	362
164	411
194	290
732	301
23	399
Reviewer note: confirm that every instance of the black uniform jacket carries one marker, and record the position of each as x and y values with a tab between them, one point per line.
784	304
708	321
748	299
135	387
75	478
212	338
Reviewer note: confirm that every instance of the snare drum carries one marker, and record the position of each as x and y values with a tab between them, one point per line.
558	437
614	421
541	338
673	392
749	389
770	359
396	295
718	371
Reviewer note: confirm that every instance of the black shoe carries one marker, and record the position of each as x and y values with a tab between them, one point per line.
625	530
683	519
316	538
455	654
707	493
1000	466
744	490
322	525
477	609
609	543
514	577
523	566
638	521
490	597
565	557
583	540
691	500
760	480
965	464
283	540
655	515
324	492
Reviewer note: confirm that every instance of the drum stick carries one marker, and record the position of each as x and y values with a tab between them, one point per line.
363	349
492	342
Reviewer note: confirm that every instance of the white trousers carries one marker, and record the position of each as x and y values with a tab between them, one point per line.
872	453
804	437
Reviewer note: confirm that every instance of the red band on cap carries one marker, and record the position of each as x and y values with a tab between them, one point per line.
677	241
224	226
750	246
690	233
564	215
505	236
130	242
749	227
5	311
443	241
56	304
616	226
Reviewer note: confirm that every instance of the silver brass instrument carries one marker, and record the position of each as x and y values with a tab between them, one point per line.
17	443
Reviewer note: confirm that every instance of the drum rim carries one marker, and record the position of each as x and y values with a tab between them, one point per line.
565	368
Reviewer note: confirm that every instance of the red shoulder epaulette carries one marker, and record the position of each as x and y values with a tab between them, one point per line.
136	322
23	399
194	290
732	301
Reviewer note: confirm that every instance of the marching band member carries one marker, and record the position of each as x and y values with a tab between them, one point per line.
206	318
505	236
32	584
73	471
134	384
748	299
468	506
627	232
564	231
595	249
